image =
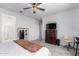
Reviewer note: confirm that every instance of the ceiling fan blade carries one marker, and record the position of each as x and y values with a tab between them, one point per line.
27	8
40	8
37	4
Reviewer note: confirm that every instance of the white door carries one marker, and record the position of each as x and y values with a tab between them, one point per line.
8	27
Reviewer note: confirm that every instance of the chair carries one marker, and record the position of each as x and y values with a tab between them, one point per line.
68	41
76	41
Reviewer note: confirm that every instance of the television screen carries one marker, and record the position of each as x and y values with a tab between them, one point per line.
51	26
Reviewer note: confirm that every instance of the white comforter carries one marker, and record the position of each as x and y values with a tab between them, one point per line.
13	49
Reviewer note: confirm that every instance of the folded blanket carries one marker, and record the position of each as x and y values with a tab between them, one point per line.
32	47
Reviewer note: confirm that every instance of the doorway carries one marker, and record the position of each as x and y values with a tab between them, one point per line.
22	33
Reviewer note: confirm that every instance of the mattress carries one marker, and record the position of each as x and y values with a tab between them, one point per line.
13	49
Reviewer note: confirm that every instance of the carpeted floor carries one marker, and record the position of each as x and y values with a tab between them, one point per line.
57	50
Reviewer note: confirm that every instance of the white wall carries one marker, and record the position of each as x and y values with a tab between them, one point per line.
0	26
67	23
40	30
24	21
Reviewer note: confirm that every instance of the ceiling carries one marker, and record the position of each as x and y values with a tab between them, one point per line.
50	8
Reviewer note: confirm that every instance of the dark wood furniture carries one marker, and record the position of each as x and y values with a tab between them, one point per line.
50	36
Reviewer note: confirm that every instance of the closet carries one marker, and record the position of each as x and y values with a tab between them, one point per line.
8	28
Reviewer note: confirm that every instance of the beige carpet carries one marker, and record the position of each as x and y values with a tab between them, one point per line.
54	49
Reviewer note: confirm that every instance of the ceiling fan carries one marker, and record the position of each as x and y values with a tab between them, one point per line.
34	7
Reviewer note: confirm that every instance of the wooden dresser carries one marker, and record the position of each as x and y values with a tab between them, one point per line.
50	36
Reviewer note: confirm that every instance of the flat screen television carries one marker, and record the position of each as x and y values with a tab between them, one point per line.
51	26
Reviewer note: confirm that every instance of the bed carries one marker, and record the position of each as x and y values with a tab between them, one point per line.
13	49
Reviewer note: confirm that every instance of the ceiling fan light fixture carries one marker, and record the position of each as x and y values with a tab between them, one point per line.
35	7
